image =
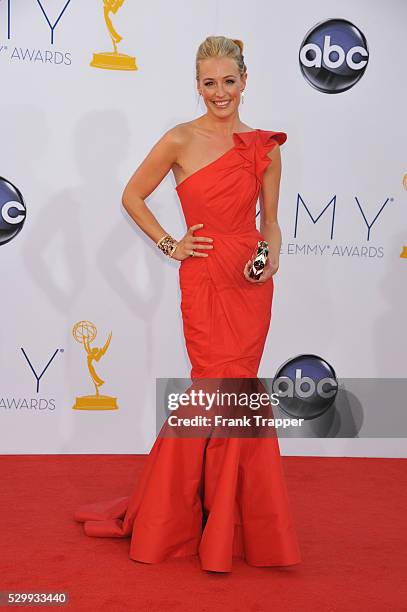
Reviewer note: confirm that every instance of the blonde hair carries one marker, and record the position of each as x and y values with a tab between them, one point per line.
221	46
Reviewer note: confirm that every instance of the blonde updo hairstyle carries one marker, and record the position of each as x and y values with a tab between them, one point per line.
221	46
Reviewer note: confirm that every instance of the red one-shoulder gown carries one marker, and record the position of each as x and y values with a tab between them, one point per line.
216	497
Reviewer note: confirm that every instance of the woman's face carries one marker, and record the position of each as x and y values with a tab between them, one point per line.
220	82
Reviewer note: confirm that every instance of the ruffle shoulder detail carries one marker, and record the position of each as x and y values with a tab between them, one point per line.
268	138
245	146
254	146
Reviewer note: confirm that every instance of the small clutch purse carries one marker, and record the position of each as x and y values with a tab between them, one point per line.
259	259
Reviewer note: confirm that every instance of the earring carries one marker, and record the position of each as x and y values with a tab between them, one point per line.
198	98
242	97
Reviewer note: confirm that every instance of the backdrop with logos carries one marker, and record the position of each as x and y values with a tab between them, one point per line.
87	297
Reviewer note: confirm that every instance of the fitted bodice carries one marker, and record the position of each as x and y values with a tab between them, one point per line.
223	194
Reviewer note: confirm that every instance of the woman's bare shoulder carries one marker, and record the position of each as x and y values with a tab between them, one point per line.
180	133
183	134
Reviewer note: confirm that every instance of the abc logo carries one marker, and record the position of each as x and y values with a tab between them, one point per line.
12	211
333	56
306	386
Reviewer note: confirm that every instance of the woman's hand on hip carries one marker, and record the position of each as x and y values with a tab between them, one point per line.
191	244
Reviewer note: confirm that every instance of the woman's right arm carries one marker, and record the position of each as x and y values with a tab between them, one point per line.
142	183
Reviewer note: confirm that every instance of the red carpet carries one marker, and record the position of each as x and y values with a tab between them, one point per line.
349	512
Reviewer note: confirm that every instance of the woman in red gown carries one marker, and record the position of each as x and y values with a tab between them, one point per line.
216	497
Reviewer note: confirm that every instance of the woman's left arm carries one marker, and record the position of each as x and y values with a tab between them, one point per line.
269	227
268	197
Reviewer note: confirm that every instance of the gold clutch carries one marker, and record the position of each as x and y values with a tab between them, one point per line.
259	259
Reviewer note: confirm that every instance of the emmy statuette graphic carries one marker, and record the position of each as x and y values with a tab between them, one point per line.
85	332
113	60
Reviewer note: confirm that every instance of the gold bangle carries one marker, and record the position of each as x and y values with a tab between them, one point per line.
167	245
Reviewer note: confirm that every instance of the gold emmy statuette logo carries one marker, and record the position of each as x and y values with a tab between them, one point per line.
85	332
107	59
